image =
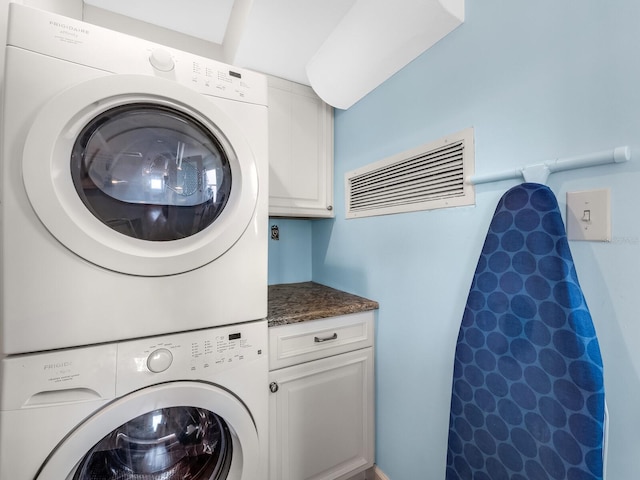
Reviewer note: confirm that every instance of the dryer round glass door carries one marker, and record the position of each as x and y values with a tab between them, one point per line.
151	172
173	430
152	183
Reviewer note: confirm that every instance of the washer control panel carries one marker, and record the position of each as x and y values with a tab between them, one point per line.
196	355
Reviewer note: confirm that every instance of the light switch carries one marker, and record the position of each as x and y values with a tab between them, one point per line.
589	215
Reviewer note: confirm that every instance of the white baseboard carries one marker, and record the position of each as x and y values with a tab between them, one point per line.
360	476
379	474
373	473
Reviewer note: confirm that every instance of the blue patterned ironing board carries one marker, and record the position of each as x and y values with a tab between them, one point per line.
528	394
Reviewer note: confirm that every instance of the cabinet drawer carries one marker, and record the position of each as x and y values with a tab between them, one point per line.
303	342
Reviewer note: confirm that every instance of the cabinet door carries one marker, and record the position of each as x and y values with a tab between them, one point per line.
300	151
321	418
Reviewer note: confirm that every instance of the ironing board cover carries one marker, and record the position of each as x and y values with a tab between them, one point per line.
528	395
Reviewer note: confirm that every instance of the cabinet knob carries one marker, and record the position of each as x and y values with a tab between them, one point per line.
273	386
329	207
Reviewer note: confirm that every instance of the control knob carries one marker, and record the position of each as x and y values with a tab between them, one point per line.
159	360
161	60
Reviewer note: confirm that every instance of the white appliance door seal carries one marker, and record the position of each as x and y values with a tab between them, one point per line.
63	462
49	186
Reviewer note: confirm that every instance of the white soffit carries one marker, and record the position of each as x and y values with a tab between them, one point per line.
280	36
205	19
374	40
343	49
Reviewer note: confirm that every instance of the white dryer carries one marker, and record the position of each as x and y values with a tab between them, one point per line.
188	405
133	187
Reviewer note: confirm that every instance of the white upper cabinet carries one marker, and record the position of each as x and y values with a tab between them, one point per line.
300	152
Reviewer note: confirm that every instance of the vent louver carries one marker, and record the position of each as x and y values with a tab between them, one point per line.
428	177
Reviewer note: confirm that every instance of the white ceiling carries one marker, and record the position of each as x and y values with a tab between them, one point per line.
275	36
280	36
205	19
361	42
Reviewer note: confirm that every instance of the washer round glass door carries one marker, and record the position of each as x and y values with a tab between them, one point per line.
174	430
175	442
152	183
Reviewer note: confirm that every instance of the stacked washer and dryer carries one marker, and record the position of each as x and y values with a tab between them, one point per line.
134	259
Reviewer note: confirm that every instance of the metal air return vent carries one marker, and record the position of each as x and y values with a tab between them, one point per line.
424	178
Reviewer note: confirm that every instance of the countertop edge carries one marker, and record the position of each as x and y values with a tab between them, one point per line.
305	301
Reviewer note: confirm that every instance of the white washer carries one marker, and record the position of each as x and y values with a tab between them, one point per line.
156	408
134	187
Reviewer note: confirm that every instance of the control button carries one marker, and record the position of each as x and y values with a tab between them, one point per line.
159	360
161	60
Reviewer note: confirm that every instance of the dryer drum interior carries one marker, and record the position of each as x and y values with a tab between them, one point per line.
151	172
176	442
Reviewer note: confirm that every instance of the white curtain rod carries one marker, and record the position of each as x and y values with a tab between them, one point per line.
540	172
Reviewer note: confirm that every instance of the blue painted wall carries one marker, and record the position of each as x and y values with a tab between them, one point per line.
536	80
290	256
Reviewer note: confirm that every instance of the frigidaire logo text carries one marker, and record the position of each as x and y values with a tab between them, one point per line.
69	27
49	366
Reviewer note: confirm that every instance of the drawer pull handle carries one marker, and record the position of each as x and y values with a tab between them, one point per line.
320	340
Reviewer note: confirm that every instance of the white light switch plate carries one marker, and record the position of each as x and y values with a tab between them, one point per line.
589	215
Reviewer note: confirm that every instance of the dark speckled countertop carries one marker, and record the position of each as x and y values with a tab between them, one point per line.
300	302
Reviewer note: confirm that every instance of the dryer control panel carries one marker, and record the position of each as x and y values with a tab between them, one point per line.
116	53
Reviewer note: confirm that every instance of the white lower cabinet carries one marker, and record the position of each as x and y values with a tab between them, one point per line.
322	411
